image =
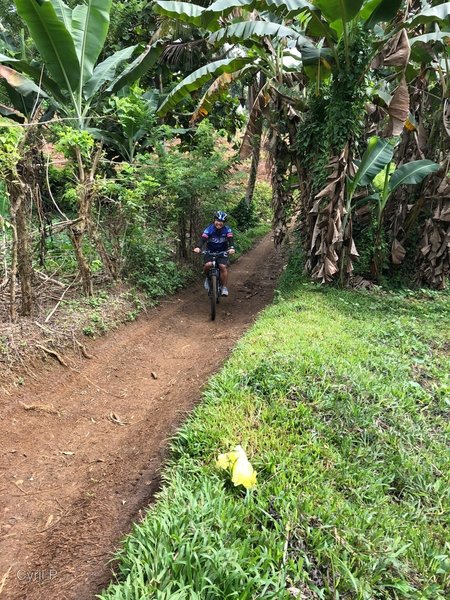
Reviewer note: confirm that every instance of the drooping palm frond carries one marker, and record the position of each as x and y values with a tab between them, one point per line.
184	55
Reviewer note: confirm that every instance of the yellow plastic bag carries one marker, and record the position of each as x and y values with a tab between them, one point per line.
242	472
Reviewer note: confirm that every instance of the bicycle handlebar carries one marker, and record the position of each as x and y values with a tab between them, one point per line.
221	253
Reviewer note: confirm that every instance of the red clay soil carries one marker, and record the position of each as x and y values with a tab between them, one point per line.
82	446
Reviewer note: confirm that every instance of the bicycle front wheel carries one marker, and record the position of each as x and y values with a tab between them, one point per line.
213	296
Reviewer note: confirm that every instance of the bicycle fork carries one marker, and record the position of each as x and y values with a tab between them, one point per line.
214	271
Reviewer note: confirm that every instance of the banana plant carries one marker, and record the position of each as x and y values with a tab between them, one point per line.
377	170
332	239
410	173
375	161
70	42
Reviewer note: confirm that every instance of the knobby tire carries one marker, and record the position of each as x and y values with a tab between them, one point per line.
213	296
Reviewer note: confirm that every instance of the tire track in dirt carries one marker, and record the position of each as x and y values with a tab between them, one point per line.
78	468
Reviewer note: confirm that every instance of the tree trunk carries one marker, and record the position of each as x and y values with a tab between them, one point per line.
76	234
13	275
82	226
24	256
21	259
3	254
376	265
256	127
256	154
182	250
107	260
280	161
15	198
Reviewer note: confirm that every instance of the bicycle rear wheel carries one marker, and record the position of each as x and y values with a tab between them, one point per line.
213	296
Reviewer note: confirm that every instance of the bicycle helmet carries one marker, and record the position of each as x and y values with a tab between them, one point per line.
220	215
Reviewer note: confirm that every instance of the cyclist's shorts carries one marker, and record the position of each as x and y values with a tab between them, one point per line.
221	260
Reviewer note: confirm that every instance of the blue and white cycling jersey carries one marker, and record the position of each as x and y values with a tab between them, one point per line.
217	240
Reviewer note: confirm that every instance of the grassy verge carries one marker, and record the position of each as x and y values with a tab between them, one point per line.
342	402
245	241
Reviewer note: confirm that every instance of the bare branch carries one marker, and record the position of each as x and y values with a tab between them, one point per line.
49	316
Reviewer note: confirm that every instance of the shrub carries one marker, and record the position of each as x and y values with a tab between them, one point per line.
245	215
248	215
149	263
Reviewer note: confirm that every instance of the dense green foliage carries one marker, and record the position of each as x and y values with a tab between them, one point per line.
341	401
151	212
247	214
336	111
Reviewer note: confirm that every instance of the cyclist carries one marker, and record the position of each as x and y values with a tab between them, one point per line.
218	237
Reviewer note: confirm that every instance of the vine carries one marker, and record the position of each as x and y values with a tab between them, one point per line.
336	115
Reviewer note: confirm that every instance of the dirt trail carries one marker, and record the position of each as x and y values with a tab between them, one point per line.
81	448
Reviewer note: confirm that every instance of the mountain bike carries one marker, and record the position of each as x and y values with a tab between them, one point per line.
214	283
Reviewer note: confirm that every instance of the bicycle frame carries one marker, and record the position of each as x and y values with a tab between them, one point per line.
215	286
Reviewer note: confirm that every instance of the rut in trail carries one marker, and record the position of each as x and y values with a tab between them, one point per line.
77	469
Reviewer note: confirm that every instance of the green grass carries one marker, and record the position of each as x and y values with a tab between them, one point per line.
342	401
245	241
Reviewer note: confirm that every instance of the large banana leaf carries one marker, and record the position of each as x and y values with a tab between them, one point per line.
213	92
53	42
436	13
342	10
412	173
380	10
435	36
90	23
285	8
198	78
11	113
137	68
22	106
209	17
318	27
106	71
181	11
21	84
240	32
37	74
152	99
378	154
314	55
